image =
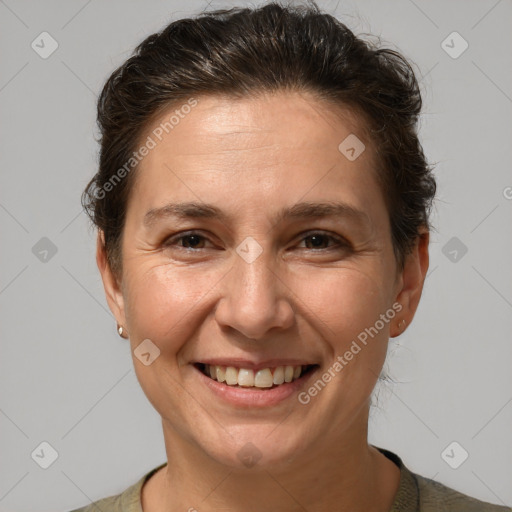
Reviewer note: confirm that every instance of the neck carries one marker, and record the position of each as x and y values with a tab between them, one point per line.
345	474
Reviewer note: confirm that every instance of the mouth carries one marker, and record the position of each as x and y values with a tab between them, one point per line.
256	379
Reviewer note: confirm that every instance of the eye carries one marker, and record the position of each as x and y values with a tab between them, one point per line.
319	239
191	240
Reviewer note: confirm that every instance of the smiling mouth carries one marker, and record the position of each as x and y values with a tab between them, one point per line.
265	378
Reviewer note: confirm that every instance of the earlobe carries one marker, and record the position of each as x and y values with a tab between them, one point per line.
411	283
111	286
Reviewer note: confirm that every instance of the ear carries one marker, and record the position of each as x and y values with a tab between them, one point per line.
111	286
410	282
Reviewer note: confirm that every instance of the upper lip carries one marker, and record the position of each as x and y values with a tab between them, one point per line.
253	365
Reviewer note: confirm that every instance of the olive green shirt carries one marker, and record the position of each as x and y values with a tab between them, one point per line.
415	494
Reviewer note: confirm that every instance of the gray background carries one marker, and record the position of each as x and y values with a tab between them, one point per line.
67	377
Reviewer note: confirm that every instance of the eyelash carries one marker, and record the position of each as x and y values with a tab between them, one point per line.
339	241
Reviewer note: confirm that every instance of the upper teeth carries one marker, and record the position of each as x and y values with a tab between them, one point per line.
246	377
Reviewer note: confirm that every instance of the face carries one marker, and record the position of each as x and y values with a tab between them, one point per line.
284	259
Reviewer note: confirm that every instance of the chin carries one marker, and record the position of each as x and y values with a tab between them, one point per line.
256	446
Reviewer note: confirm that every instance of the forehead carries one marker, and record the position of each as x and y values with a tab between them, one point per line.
255	152
285	119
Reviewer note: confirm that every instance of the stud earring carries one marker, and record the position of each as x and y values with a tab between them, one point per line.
120	331
401	325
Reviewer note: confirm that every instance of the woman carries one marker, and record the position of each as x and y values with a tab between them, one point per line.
262	205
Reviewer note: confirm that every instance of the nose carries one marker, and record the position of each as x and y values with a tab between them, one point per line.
254	299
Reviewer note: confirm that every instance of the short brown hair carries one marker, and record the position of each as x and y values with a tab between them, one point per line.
242	52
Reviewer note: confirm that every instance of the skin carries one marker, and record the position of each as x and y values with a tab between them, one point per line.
251	157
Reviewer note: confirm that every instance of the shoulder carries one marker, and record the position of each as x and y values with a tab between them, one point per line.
128	501
417	493
434	496
110	504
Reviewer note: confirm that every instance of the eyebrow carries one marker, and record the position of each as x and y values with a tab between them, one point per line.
299	211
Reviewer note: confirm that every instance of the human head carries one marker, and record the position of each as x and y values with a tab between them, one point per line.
262	122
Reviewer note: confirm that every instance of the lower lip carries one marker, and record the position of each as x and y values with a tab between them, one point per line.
254	397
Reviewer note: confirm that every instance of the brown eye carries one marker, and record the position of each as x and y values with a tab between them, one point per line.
192	241
189	240
320	240
317	241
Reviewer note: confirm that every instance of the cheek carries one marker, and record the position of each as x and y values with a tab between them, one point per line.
348	304
164	304
345	301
